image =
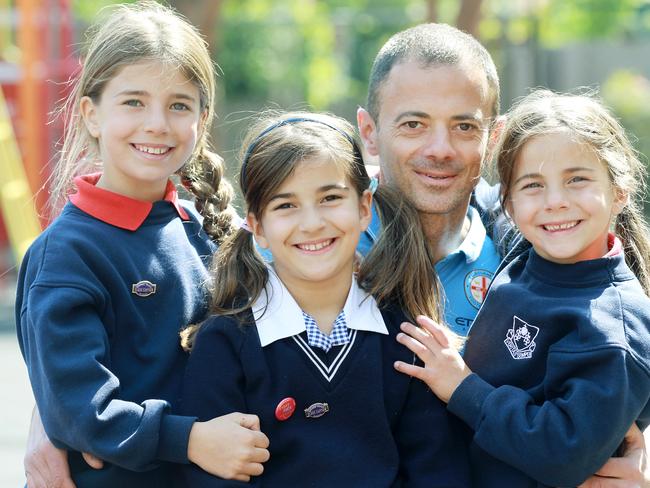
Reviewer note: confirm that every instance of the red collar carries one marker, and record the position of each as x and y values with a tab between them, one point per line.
614	245
115	209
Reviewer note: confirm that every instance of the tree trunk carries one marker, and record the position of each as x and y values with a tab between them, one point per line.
469	16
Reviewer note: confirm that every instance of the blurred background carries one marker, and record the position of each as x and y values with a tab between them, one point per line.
286	54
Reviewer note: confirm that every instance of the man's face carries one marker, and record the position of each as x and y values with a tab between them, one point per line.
431	134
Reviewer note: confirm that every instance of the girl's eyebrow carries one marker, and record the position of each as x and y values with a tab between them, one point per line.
574	169
321	189
143	93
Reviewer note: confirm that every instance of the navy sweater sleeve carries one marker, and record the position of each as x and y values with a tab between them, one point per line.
105	364
587	381
211	389
568	437
66	348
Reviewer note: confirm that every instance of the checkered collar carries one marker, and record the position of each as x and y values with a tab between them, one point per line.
277	315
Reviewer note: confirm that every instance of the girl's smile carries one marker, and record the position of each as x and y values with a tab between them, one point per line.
312	225
147	122
562	199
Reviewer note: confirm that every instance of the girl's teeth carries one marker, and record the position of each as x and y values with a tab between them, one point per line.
315	247
152	150
566	226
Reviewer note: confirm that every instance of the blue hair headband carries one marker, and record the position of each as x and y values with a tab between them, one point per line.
294	120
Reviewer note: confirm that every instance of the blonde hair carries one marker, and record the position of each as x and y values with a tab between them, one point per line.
399	267
131	34
543	112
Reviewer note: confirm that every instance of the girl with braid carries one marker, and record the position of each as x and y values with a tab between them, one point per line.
307	344
105	289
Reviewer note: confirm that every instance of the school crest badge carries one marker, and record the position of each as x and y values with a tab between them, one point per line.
143	288
520	340
477	283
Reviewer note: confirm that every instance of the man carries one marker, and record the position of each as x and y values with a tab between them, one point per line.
431	116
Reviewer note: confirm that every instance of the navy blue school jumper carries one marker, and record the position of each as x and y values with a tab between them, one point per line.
357	421
573	341
102	295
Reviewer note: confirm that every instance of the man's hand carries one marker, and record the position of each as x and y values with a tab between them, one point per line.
45	465
629	471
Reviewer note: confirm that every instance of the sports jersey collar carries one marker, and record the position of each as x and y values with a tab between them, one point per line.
115	209
473	242
278	315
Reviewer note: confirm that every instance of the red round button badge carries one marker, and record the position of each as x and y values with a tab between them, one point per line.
285	409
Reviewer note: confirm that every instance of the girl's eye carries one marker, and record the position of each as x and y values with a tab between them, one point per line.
577	179
331	198
531	185
133	103
282	206
179	106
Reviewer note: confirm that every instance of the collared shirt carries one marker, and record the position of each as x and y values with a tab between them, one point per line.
339	335
115	209
465	274
278	315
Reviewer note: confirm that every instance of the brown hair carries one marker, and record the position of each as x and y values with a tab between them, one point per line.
130	34
431	45
543	112
399	266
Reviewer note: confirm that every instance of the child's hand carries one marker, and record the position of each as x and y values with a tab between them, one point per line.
443	369
230	446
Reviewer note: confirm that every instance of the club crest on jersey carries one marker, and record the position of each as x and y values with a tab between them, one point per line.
520	340
477	282
143	288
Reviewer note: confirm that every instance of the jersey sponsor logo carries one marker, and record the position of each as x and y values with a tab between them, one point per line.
520	339
477	283
143	288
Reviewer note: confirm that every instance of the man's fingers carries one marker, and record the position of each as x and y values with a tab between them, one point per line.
599	482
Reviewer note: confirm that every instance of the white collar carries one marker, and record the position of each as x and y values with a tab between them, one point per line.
473	242
277	315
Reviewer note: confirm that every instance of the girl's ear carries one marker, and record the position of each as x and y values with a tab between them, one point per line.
202	120
88	112
258	230
365	209
621	199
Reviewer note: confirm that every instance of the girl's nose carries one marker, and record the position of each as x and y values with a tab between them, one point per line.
555	198
311	219
156	120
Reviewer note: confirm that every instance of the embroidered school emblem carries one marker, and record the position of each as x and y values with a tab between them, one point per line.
477	283
520	340
143	288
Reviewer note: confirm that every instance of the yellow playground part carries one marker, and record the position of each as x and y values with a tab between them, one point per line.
16	199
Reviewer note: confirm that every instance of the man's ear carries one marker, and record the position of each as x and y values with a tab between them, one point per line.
258	231
367	131
365	209
495	134
88	112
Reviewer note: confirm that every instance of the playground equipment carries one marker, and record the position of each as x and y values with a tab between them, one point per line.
16	199
32	85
